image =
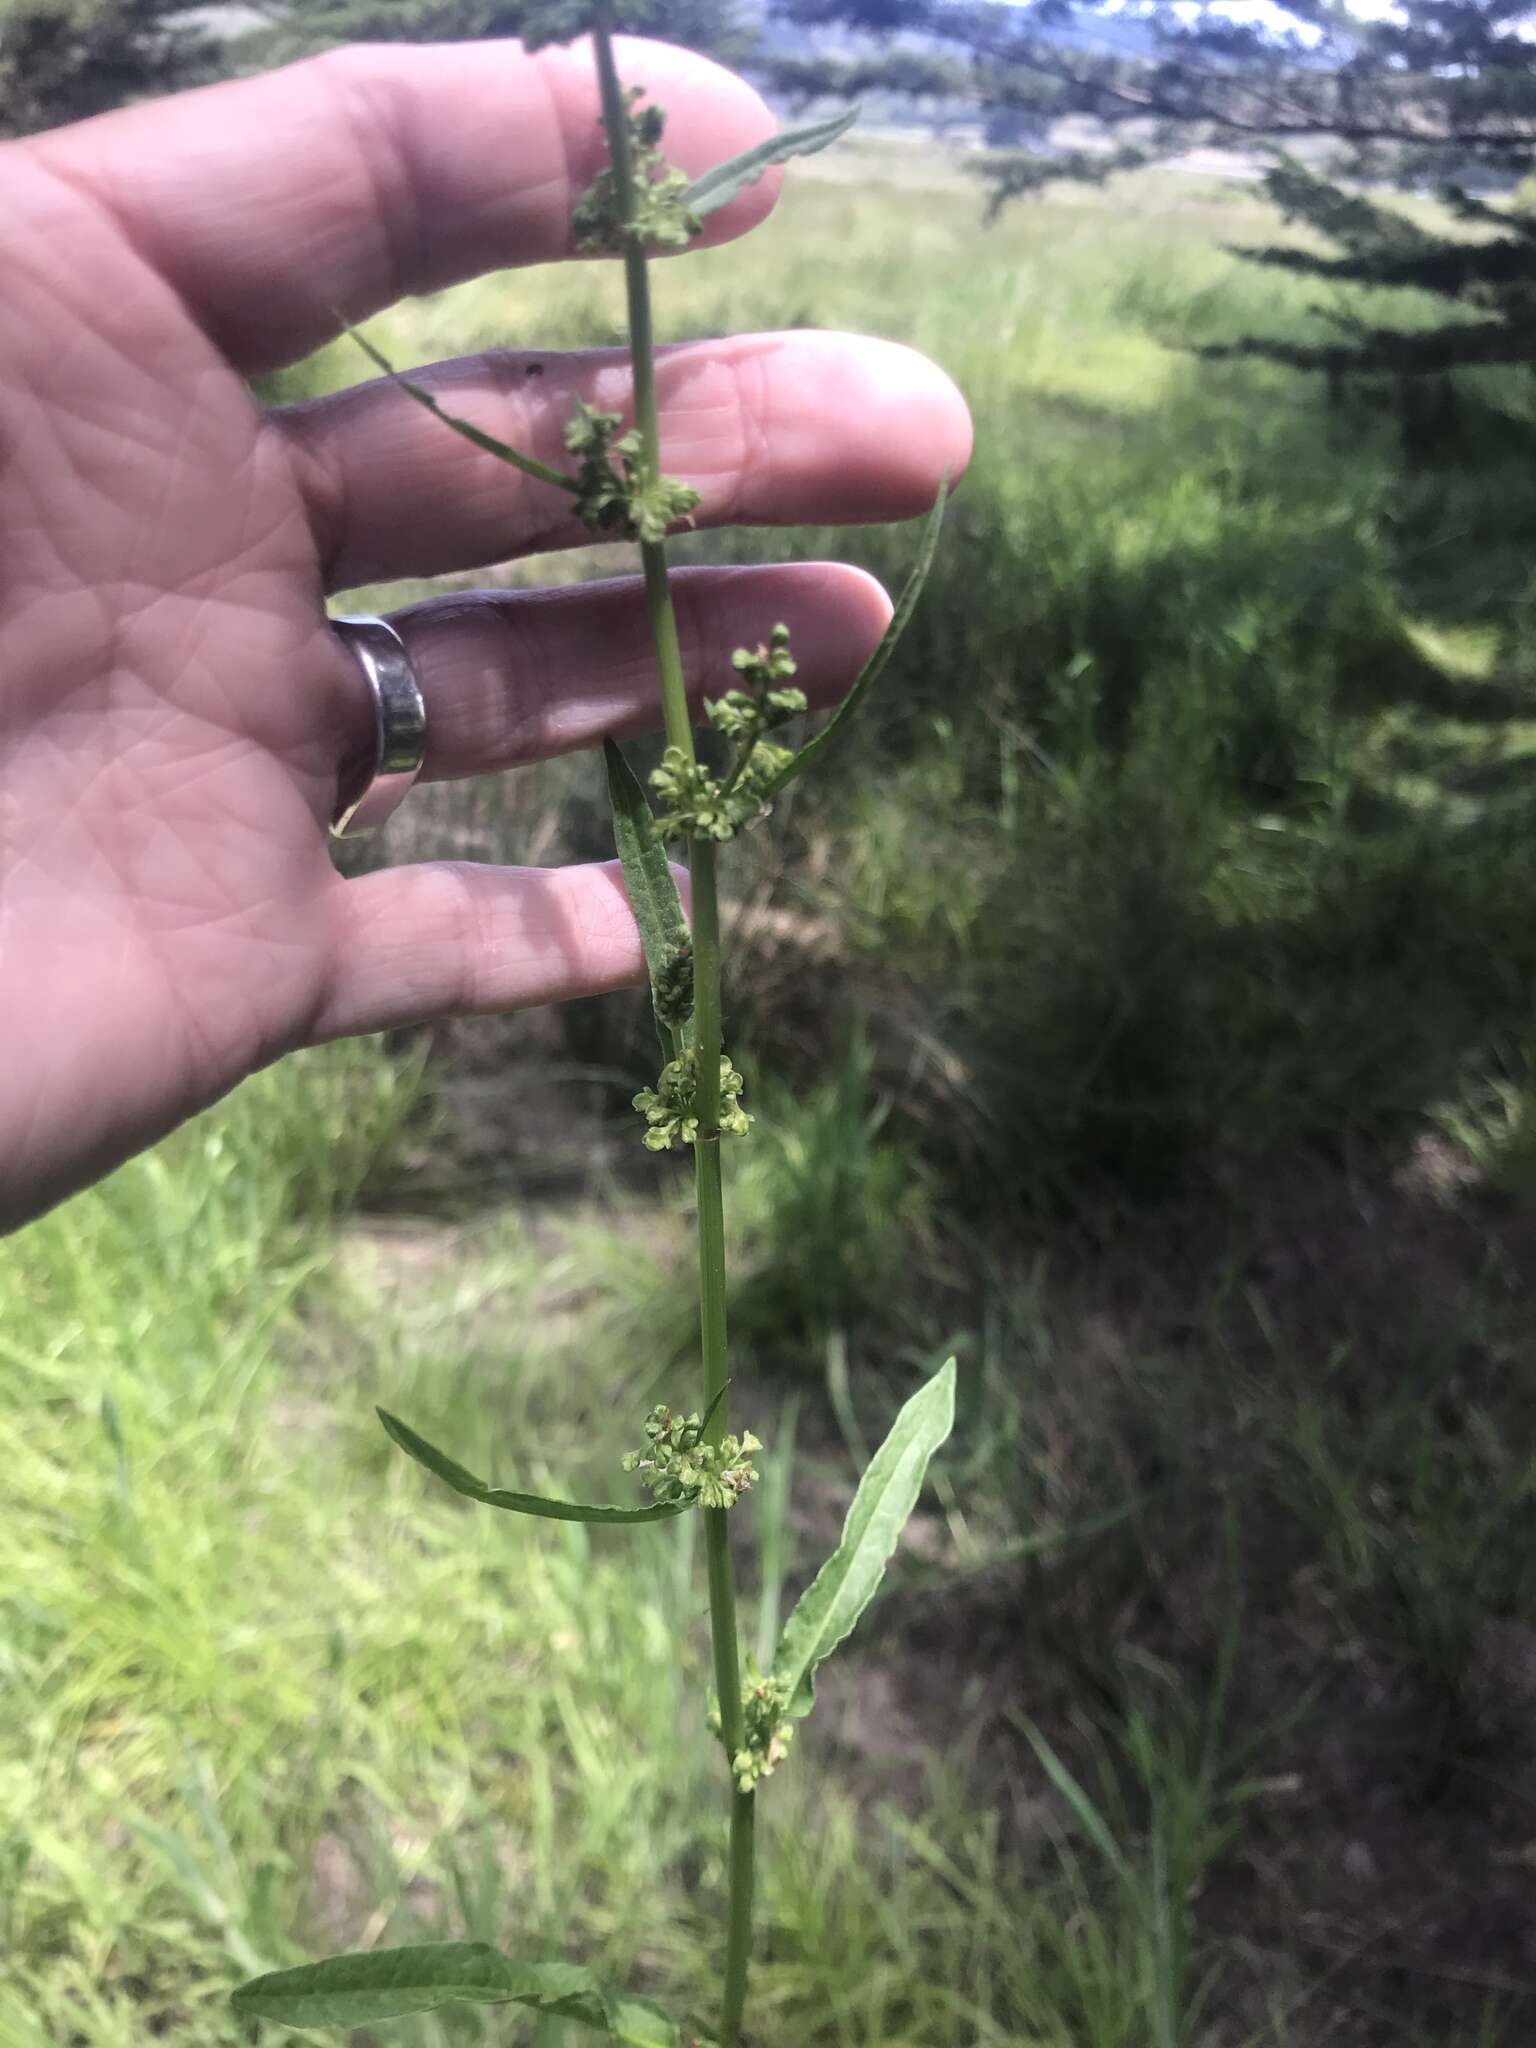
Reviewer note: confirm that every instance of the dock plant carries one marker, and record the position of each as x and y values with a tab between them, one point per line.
687	1459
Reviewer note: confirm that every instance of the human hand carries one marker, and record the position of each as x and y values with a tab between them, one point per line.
174	709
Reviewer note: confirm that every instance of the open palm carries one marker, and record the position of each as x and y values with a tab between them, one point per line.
175	711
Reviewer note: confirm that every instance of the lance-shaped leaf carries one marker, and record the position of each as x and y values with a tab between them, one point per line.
652	891
502	450
453	1474
846	1583
874	668
391	1984
719	187
382	1984
569	1992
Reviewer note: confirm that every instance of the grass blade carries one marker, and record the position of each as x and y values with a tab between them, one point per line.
1089	1818
846	1583
653	897
452	1474
380	1984
874	668
502	450
719	187
771	1527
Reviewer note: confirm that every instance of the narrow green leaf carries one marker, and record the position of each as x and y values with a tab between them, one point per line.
652	891
874	668
709	1413
1089	1818
719	187
454	1475
846	1583
381	1984
502	450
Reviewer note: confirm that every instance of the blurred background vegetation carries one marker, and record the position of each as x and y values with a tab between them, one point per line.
1146	1015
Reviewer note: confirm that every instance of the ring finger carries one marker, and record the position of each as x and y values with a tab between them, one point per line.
511	677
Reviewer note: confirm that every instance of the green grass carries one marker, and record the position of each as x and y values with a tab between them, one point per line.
264	1689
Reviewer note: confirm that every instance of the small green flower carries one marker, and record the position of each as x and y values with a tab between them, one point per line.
613	497
607	463
764	667
662	219
765	703
678	1465
674	986
698	804
733	715
693	799
766	1728
670	1108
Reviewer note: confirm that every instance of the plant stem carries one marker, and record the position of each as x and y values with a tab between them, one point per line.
707	1036
739	1934
669	658
706	1030
642	352
722	1591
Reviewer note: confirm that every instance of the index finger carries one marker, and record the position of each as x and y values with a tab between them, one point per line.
348	181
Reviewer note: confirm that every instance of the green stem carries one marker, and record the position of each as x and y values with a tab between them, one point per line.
707	1036
642	352
712	1333
669	655
739	1935
741	763
712	1330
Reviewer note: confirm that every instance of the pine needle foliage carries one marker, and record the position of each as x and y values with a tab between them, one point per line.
717	27
1434	97
64	60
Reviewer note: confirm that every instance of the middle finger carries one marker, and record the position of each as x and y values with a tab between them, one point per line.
784	429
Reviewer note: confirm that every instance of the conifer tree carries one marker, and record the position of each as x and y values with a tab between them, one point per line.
716	26
1434	96
61	60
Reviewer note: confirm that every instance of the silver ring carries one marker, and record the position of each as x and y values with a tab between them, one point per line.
400	720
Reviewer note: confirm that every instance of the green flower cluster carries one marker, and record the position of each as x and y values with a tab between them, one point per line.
766	1728
662	217
699	804
677	1464
672	990
613	495
764	705
670	1108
